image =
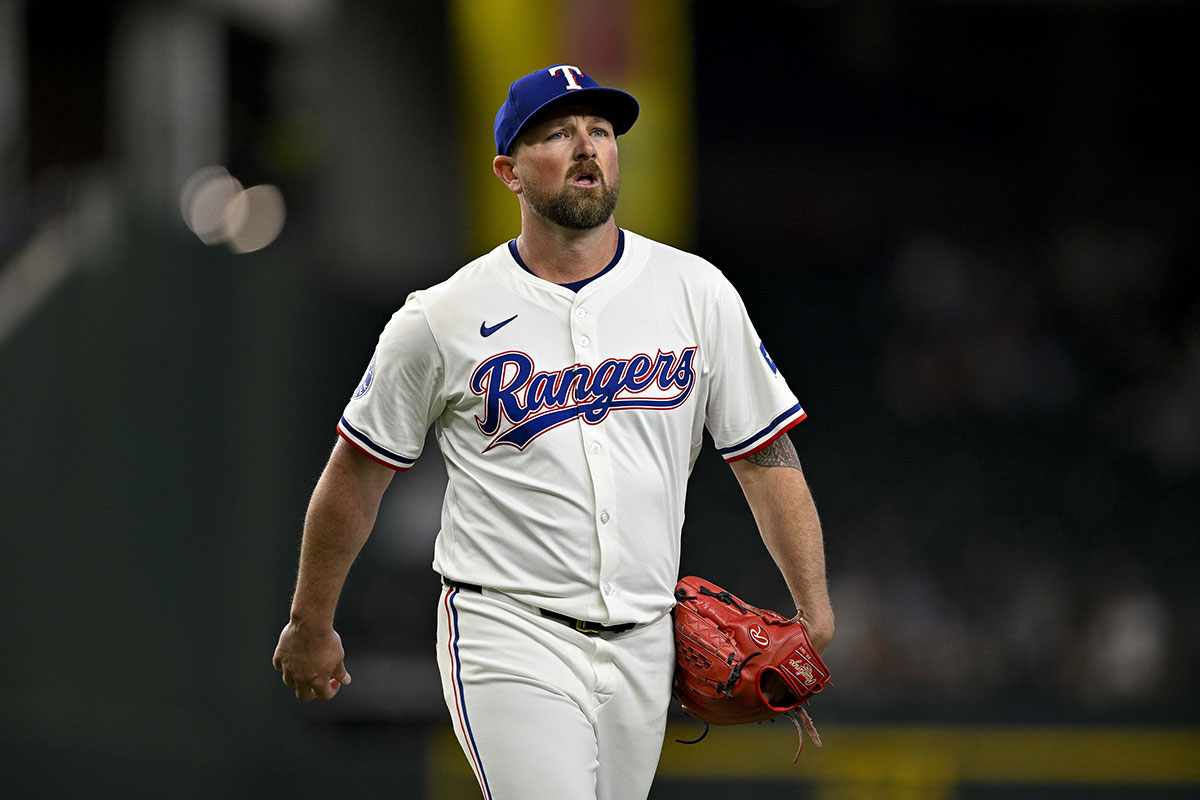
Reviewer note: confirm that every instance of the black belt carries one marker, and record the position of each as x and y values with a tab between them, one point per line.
581	625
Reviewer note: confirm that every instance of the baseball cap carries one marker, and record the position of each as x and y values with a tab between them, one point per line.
538	90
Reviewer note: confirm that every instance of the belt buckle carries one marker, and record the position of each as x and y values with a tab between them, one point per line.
583	626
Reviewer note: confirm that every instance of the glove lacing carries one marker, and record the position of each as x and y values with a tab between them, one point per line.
798	715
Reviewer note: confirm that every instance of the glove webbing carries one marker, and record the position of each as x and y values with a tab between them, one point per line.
724	597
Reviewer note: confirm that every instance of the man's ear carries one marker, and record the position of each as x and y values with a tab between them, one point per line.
505	168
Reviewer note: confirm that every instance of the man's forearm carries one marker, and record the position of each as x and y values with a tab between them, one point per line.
792	533
787	519
340	516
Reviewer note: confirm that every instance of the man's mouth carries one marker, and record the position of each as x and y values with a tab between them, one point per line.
586	177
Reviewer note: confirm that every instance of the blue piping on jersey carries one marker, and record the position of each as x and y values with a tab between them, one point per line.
750	440
380	450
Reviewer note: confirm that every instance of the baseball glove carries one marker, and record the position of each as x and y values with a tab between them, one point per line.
737	664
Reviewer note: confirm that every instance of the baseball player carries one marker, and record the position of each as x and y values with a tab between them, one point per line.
569	375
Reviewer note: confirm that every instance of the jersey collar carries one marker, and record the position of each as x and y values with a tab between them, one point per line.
575	286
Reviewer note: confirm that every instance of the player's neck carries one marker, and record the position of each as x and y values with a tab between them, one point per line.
561	255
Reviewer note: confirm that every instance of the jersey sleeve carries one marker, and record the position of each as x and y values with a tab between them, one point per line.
749	402
401	393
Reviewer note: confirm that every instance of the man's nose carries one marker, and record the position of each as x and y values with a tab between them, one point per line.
586	148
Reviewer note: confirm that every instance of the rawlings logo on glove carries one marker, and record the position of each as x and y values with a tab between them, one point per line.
736	663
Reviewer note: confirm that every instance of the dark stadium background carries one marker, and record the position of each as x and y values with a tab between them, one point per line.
965	230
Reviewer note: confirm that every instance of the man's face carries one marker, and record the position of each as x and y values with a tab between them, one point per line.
567	164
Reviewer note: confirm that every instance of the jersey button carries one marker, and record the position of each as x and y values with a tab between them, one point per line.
595	447
604	518
607	588
581	312
584	341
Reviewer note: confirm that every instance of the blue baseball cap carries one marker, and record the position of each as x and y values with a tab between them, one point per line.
539	90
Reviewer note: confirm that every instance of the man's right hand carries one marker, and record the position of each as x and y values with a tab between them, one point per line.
312	661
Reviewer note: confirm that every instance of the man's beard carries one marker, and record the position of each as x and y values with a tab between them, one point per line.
573	207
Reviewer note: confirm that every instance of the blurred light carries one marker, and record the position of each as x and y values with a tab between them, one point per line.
219	210
203	201
255	217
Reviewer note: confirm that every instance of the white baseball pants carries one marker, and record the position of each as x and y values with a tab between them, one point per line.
544	712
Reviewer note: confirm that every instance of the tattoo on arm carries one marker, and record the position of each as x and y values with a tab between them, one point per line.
779	453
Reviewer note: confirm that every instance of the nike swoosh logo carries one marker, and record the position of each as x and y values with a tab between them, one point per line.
484	330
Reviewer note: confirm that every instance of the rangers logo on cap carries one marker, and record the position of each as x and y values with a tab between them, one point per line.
538	91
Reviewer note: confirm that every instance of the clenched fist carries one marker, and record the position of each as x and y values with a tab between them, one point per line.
312	661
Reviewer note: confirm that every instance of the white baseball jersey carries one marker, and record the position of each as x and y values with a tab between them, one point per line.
569	421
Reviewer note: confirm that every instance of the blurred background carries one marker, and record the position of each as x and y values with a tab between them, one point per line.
963	229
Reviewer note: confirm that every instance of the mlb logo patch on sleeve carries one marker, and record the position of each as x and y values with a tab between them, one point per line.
366	380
